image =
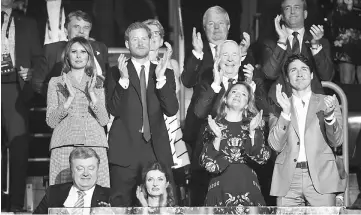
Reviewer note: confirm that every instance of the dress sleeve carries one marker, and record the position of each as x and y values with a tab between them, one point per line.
55	112
212	160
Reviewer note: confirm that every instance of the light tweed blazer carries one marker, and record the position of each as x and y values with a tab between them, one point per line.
82	123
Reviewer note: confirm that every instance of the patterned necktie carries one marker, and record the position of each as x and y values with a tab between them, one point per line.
2	18
143	92
295	43
79	204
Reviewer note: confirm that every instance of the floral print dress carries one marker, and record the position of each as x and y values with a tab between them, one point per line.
234	182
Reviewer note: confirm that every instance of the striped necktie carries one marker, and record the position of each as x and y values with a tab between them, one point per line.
79	204
295	43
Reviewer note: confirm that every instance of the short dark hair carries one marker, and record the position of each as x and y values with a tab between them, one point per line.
293	58
303	1
77	14
83	153
135	26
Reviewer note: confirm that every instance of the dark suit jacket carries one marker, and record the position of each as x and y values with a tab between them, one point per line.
274	58
56	195
27	49
125	105
50	64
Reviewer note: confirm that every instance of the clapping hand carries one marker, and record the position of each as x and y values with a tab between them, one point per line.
281	30
197	41
248	73
163	63
317	33
140	197
91	86
330	102
245	43
217	71
122	66
283	100
256	121
69	86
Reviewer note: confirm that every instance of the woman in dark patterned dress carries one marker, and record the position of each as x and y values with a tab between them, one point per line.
233	142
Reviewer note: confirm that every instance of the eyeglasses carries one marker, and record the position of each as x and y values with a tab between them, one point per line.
156	34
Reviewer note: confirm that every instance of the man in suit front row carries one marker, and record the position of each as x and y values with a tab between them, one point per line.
83	193
138	93
305	171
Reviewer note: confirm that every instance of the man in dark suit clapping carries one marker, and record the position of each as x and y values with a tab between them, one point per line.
138	93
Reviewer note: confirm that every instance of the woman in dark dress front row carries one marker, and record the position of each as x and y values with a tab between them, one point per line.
233	141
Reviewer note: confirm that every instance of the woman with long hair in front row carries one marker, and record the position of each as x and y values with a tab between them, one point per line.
76	111
233	142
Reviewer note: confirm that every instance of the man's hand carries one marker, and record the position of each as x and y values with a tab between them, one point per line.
245	43
330	102
248	73
163	63
122	66
25	73
281	30
283	100
317	33
197	41
217	74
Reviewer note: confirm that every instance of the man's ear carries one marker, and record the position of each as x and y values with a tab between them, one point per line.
161	42
127	44
305	13
228	26
311	75
66	32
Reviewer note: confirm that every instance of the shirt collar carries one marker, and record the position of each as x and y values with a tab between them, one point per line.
138	66
300	31
87	192
306	98
225	79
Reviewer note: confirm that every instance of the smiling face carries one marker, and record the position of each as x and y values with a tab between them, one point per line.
294	14
237	98
138	43
156	183
157	40
230	59
299	75
77	27
78	56
85	172
216	27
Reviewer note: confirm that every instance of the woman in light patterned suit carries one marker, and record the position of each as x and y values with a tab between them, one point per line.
76	111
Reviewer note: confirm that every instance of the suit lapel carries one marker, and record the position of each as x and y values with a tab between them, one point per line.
294	121
305	44
62	195
312	108
98	196
133	78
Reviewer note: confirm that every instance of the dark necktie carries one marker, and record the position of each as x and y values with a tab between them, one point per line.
143	92
295	43
2	18
230	82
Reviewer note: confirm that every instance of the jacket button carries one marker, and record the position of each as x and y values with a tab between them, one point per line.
295	160
298	143
284	128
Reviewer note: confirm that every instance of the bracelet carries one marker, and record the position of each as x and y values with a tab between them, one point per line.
282	43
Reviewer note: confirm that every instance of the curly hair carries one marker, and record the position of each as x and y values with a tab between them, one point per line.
249	112
162	168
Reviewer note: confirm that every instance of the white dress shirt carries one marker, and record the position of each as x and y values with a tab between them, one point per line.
8	44
124	82
301	106
73	198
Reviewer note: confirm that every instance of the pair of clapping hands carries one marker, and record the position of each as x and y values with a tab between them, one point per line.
160	69
90	88
285	103
141	197
316	31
